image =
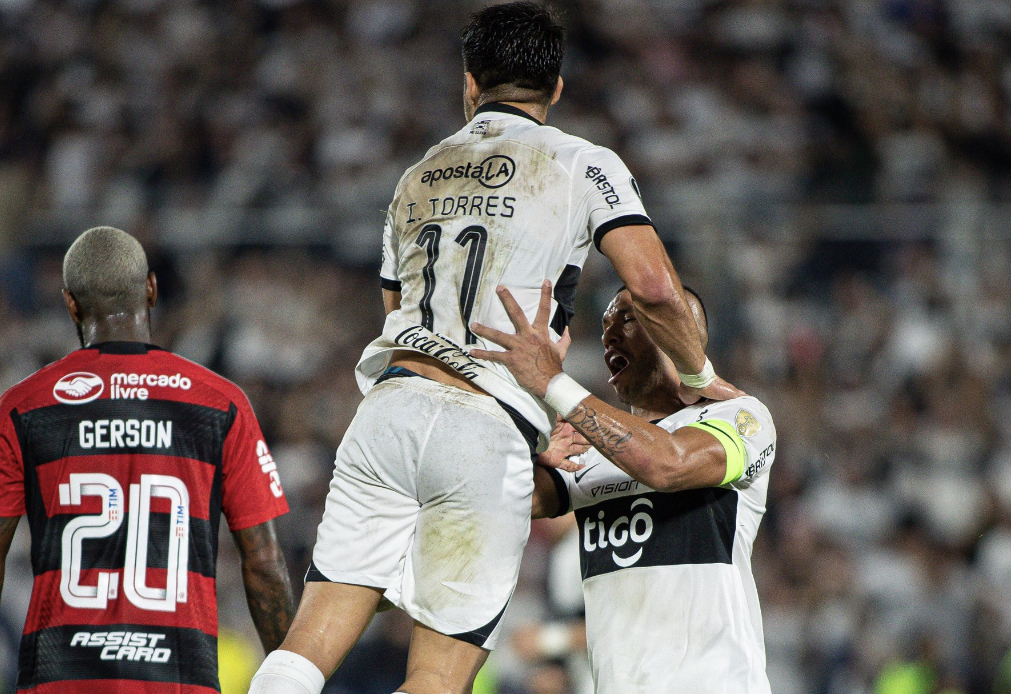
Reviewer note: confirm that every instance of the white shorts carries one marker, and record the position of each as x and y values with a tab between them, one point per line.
430	500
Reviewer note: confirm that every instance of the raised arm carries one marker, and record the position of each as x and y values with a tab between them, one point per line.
268	586
639	258
642	263
688	458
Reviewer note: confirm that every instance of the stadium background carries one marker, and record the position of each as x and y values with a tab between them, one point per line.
833	176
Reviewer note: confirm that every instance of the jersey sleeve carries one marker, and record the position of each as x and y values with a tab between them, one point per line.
388	277
251	491
752	423
598	479
12	471
608	193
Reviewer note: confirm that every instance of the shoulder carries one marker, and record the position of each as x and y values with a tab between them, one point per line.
228	392
566	148
36	390
747	414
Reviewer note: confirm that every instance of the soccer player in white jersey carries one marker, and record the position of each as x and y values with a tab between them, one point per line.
668	505
429	507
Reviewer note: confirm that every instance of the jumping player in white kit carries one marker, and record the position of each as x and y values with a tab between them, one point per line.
667	504
429	507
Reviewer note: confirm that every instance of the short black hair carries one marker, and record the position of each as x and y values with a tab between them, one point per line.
520	44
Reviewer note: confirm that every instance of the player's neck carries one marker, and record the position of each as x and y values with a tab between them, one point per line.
119	327
659	403
538	111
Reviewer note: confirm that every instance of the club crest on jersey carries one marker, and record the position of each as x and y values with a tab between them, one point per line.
494	172
78	388
747	424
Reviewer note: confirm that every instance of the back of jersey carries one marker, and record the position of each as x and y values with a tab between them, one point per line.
123	458
505	201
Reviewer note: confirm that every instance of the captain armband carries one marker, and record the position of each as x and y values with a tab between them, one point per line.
727	435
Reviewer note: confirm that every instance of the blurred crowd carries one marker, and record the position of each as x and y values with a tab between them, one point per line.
833	176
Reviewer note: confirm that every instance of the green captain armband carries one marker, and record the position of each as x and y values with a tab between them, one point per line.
727	435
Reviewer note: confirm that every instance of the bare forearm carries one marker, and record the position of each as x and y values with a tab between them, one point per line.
268	587
640	449
639	258
670	323
545	500
270	600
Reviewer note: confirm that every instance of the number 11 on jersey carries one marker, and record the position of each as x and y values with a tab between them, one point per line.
475	239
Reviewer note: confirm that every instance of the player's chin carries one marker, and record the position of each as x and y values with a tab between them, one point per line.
621	390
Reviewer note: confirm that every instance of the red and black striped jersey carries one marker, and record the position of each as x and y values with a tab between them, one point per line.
124	456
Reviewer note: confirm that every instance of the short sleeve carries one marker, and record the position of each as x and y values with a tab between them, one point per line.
12	471
609	193
561	480
388	276
752	422
251	491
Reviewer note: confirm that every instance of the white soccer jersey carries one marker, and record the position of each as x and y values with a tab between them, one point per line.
671	605
505	201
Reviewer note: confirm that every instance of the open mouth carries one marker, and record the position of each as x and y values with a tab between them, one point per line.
616	363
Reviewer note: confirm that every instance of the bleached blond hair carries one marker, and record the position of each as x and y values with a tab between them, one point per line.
106	271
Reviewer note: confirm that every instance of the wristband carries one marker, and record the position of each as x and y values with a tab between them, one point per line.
563	394
699	380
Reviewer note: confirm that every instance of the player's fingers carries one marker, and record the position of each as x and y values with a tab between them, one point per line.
570	466
540	323
488	356
497	336
562	346
513	309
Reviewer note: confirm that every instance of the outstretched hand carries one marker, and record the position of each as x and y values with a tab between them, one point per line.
565	442
530	354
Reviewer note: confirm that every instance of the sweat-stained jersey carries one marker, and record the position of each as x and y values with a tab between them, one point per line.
123	456
505	201
671	604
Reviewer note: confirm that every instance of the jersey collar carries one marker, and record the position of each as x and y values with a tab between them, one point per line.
497	107
114	347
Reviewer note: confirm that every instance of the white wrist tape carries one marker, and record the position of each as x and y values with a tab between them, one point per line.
563	394
286	672
699	380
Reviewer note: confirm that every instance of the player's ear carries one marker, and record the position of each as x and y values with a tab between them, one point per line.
152	290
471	91
73	308
558	92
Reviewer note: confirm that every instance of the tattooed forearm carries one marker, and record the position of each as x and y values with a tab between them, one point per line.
606	434
268	586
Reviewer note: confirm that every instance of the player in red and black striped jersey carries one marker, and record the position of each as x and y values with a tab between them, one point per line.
124	456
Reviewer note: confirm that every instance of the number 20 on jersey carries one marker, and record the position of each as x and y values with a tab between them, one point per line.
107	522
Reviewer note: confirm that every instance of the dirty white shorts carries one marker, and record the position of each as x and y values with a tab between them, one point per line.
430	501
